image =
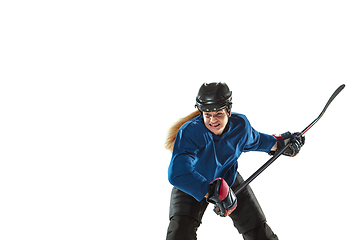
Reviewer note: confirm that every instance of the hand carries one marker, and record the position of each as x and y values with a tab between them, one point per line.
216	209
222	196
296	142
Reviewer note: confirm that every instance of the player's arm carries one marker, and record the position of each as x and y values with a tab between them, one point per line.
182	173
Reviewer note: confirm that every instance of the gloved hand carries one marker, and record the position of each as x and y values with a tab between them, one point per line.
222	196
296	142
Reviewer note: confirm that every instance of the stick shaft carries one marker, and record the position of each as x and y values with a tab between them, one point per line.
261	169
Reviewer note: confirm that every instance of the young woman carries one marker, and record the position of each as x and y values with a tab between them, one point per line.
205	147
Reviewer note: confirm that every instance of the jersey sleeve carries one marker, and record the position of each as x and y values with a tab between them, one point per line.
257	141
181	172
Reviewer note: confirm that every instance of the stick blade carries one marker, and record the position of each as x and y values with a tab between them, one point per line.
333	96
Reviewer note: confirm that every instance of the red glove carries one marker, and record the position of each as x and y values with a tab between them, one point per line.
222	196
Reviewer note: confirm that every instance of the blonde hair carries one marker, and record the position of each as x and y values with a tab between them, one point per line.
170	139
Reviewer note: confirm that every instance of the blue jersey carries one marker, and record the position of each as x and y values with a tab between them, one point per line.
199	156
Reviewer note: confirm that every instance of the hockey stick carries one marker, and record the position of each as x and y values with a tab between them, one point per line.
281	151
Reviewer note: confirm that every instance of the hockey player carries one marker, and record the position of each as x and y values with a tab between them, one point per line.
205	147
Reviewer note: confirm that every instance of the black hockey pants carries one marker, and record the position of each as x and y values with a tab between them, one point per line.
248	218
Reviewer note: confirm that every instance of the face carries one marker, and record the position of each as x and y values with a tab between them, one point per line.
216	121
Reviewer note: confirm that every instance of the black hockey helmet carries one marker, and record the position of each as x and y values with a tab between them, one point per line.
213	97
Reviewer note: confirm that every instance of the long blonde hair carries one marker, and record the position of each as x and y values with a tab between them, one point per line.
170	139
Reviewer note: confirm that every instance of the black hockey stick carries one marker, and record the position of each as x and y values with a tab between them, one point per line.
278	153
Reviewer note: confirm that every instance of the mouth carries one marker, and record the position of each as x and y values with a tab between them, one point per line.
214	125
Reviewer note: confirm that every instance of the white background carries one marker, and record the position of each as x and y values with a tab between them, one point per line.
88	90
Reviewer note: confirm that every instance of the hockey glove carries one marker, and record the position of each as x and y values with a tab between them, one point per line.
222	196
296	142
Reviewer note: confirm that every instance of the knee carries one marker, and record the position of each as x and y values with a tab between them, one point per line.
182	227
